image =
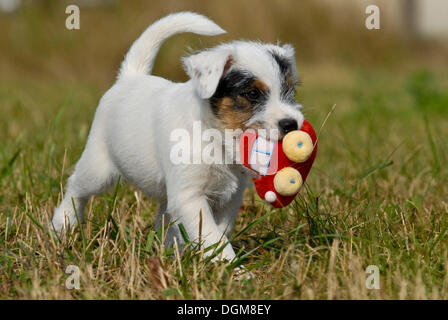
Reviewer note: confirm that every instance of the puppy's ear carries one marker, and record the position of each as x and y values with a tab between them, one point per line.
289	54
289	51
206	69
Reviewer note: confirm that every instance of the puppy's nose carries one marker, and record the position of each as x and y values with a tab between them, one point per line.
287	125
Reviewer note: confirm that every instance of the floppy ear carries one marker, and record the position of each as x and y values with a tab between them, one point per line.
290	56
206	69
289	50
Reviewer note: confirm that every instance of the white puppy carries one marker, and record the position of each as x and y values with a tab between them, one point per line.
238	85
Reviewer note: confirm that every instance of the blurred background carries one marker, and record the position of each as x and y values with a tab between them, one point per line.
34	38
384	82
380	178
35	42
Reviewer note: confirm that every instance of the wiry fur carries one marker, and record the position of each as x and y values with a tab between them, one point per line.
130	134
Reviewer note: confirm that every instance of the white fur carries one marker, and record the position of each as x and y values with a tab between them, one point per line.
140	57
132	125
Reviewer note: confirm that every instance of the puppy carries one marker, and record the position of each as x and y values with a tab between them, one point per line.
238	85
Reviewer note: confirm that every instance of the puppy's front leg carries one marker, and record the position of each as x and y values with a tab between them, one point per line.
187	209
226	214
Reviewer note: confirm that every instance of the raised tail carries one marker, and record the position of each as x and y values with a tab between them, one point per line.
142	54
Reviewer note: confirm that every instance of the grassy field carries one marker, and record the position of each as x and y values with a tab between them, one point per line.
377	194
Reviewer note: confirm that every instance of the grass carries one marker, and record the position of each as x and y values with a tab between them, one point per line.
375	196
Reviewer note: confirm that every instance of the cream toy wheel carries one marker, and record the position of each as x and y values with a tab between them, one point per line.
297	146
287	181
270	196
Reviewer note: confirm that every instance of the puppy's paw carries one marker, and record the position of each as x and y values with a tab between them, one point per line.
241	273
61	223
54	231
57	224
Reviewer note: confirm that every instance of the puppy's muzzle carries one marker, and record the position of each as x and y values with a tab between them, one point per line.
287	125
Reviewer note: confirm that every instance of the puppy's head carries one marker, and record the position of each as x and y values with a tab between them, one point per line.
249	86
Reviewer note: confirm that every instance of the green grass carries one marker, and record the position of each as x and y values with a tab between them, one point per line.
377	194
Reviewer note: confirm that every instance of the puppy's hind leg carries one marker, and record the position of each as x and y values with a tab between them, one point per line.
94	174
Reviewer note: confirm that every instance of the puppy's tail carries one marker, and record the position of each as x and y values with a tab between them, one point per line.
140	57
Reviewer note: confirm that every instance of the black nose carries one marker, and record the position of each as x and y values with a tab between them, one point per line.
287	125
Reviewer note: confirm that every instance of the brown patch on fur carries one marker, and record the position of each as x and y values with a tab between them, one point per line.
260	85
289	81
234	117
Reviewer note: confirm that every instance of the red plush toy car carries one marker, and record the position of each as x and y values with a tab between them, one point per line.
282	166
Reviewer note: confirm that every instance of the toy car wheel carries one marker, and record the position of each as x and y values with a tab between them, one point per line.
297	146
270	196
287	181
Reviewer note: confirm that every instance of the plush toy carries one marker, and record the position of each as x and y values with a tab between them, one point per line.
282	166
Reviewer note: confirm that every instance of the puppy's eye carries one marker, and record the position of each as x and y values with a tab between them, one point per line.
252	94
